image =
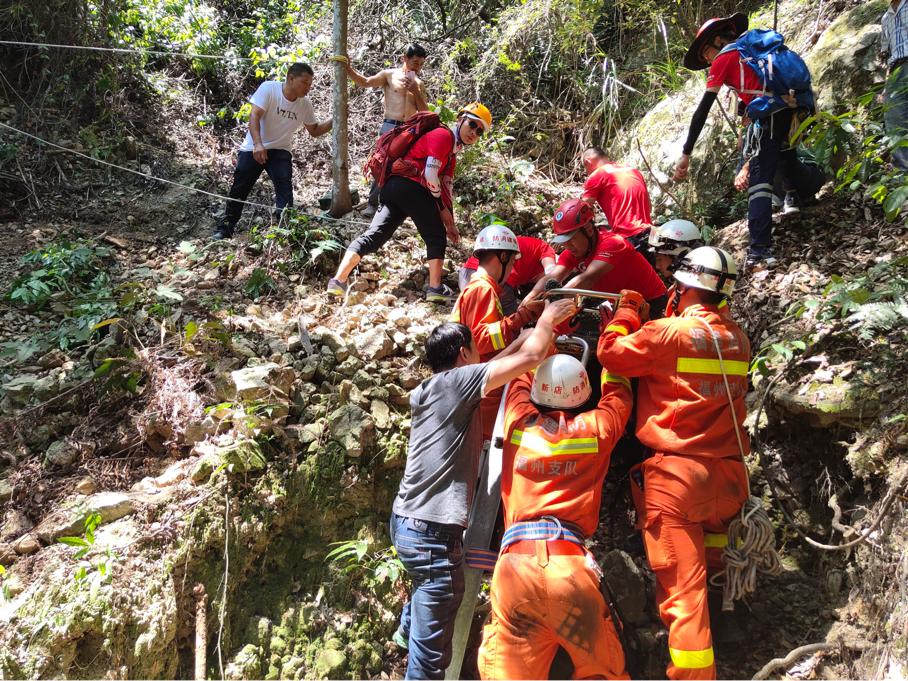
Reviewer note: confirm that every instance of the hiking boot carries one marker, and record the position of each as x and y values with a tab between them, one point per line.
369	211
336	288
224	230
760	261
400	640
442	294
792	203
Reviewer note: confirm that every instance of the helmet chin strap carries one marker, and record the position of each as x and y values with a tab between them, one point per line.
504	258
589	245
676	298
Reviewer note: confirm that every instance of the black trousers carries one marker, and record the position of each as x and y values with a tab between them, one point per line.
401	199
246	174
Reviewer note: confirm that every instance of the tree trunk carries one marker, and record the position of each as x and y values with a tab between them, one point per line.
340	196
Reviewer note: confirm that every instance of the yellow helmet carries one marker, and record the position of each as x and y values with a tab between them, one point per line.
478	111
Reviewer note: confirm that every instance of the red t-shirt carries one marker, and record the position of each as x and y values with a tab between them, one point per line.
528	268
621	194
437	143
727	69
630	269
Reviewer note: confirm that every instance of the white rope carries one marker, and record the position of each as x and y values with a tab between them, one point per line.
125	50
149	176
751	547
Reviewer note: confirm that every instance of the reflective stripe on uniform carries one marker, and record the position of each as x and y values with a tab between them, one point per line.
759	195
608	377
715	541
495	336
695	365
617	329
531	442
692	659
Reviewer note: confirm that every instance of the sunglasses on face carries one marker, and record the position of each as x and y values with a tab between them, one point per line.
476	127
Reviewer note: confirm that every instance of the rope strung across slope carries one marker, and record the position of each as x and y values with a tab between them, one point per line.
126	50
149	176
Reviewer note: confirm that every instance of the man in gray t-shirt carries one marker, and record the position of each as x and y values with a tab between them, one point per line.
430	512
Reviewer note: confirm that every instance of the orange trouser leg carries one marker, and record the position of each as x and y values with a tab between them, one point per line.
682	495
539	604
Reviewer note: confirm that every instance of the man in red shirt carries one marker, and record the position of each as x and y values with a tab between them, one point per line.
713	48
536	258
545	588
621	193
420	188
598	259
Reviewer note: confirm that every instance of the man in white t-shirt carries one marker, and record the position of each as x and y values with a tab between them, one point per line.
278	111
405	94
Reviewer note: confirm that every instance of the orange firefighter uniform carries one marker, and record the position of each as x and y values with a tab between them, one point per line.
695	482
545	593
479	309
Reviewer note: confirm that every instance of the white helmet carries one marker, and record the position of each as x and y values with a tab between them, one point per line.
675	237
496	238
708	268
560	382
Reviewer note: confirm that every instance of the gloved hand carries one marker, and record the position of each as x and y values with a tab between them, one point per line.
530	311
634	301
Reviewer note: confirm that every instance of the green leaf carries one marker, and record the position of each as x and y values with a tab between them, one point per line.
73	541
106	322
190	330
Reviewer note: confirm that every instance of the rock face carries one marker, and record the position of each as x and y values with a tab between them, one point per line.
260	382
844	61
626	581
352	429
823	404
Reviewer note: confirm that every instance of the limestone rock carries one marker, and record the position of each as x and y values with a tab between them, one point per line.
86	485
373	344
352	428
381	414
242	347
246	665
70	521
6	490
626	582
53	359
262	382
843	63
61	453
26	545
15	523
7	553
22	388
330	664
823	404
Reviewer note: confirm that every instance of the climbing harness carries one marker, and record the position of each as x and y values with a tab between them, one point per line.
751	547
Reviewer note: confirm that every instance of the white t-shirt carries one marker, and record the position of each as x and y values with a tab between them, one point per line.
282	117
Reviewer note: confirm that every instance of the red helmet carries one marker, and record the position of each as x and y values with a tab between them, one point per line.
571	215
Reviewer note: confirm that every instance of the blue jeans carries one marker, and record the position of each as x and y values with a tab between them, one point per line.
895	111
433	556
247	173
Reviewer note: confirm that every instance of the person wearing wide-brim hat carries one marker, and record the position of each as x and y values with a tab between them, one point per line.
711	30
714	48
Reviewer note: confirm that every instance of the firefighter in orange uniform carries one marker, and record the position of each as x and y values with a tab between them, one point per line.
479	308
695	482
545	589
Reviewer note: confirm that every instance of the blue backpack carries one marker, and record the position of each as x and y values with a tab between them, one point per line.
781	71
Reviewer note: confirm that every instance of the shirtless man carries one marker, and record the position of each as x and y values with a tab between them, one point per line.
405	94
